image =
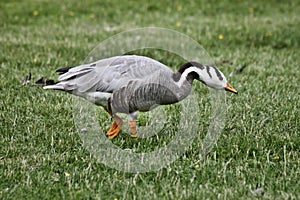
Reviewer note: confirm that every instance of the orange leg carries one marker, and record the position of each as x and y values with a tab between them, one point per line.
132	125
116	128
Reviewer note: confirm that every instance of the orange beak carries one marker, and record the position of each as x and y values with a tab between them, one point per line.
230	89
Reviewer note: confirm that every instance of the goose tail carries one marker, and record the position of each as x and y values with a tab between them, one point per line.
57	86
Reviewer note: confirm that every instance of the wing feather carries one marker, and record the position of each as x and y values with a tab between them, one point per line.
110	74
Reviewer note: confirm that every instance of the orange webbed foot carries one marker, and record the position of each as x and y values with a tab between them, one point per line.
116	128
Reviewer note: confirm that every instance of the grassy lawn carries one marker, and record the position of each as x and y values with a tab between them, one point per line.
41	153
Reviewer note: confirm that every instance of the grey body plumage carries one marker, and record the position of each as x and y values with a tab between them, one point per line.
128	84
135	83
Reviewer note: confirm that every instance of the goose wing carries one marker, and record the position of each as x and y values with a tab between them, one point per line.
129	68
111	74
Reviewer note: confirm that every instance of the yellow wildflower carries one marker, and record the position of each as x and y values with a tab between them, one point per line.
178	24
221	37
179	8
276	157
67	174
92	16
197	166
269	34
35	60
250	10
35	12
71	13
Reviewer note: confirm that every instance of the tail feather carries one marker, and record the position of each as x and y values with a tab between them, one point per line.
63	70
70	73
54	87
69	76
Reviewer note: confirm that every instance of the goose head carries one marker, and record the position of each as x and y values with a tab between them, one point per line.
210	76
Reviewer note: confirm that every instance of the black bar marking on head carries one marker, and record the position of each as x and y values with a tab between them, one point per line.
190	64
93	65
218	74
207	69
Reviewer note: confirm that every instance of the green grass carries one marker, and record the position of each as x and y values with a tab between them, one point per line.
41	153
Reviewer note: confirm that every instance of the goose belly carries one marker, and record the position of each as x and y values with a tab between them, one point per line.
142	97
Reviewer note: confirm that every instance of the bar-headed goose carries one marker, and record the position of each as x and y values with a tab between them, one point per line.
128	84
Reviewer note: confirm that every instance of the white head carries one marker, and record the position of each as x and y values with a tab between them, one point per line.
210	76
